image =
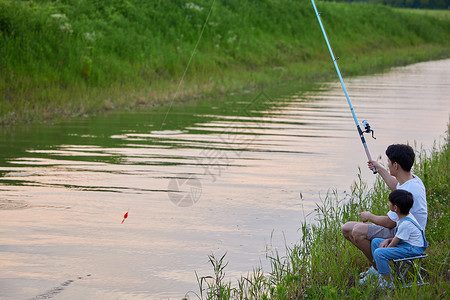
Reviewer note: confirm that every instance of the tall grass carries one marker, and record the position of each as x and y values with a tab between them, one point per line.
81	56
324	265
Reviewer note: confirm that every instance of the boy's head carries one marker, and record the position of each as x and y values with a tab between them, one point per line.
401	154
402	199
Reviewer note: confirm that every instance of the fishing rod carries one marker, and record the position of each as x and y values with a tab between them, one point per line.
366	125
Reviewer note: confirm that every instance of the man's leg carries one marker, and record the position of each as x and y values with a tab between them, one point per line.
347	230
356	233
360	237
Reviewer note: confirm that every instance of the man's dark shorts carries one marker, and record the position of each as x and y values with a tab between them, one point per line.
376	231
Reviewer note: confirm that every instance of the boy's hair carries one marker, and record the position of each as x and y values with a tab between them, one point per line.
401	154
402	199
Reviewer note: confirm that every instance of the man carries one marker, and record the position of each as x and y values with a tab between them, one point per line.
400	161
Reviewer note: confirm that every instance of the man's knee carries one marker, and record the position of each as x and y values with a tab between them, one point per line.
347	229
359	231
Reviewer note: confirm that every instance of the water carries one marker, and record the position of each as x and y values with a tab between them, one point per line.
219	176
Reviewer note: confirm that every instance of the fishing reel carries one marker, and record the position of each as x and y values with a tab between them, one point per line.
367	128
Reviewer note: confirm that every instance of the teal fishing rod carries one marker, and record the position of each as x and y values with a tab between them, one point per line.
334	58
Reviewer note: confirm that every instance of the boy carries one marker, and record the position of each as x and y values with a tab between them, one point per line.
409	238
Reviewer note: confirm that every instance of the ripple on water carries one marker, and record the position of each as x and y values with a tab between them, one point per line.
58	289
9	204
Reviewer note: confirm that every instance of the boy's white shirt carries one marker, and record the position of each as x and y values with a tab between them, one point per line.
408	232
419	209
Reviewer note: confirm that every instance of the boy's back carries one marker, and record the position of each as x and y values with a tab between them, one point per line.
409	232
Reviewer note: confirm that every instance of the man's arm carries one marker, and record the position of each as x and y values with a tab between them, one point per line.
390	180
384	221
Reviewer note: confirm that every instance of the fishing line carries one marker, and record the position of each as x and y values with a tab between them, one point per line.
188	65
366	125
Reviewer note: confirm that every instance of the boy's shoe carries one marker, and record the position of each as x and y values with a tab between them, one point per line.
383	284
371	270
377	279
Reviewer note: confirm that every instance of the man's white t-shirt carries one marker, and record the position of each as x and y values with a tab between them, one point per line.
410	233
419	209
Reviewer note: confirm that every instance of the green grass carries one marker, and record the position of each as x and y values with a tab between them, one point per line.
443	14
75	57
324	265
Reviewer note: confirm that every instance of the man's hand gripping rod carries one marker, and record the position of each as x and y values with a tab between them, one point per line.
365	123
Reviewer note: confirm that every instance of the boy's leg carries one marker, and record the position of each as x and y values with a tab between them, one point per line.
383	255
369	274
375	244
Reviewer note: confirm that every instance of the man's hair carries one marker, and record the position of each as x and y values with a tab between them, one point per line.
402	199
401	154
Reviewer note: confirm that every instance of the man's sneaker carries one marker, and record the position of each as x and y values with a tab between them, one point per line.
377	279
371	270
370	277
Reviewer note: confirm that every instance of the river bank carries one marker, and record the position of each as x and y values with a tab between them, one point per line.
69	59
324	265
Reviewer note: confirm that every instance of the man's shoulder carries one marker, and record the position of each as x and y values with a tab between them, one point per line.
416	179
413	183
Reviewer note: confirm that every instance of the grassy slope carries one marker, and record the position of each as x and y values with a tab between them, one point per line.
73	57
443	14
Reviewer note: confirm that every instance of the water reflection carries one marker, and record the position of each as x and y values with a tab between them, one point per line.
218	175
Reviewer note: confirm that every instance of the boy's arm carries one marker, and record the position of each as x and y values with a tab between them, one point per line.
384	221
390	180
385	243
394	242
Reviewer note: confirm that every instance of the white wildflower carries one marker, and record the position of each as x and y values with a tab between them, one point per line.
63	24
193	6
90	36
66	27
231	39
59	16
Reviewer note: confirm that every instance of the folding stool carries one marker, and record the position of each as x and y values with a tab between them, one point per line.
404	265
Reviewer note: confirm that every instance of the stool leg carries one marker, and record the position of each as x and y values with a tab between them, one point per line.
406	270
415	265
403	267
